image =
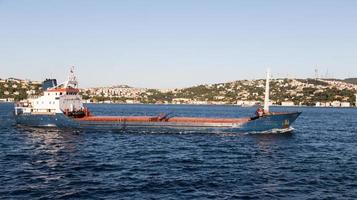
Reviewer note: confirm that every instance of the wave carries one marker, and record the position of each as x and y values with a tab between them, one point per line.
273	131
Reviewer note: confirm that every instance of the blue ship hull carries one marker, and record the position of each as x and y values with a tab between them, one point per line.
59	120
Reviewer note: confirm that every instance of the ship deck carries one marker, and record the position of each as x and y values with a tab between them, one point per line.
149	119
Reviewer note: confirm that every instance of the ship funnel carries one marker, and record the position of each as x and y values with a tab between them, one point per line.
267	90
49	83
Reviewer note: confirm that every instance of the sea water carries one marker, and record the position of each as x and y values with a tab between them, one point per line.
317	160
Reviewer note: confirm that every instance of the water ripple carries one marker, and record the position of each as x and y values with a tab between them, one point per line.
317	160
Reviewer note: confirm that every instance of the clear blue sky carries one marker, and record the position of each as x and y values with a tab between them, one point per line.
165	44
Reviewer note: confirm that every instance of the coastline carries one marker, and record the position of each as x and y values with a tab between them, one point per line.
182	104
172	104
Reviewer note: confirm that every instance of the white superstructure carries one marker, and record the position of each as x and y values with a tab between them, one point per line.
59	99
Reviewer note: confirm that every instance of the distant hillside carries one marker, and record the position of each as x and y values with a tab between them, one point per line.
351	80
298	91
347	80
18	89
121	86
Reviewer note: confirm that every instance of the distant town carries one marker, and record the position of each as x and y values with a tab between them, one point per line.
284	92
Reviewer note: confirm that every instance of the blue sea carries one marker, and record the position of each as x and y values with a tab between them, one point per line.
317	160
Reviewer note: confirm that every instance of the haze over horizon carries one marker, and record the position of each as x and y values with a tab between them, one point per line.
162	44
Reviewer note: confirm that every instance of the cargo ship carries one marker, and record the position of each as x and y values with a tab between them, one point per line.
61	106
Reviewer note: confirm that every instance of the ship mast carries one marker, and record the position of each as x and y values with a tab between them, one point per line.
267	89
72	79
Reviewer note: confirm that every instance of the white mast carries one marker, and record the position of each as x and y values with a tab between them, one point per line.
267	89
72	79
356	100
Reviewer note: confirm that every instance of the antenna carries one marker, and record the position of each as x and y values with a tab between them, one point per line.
316	74
267	89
